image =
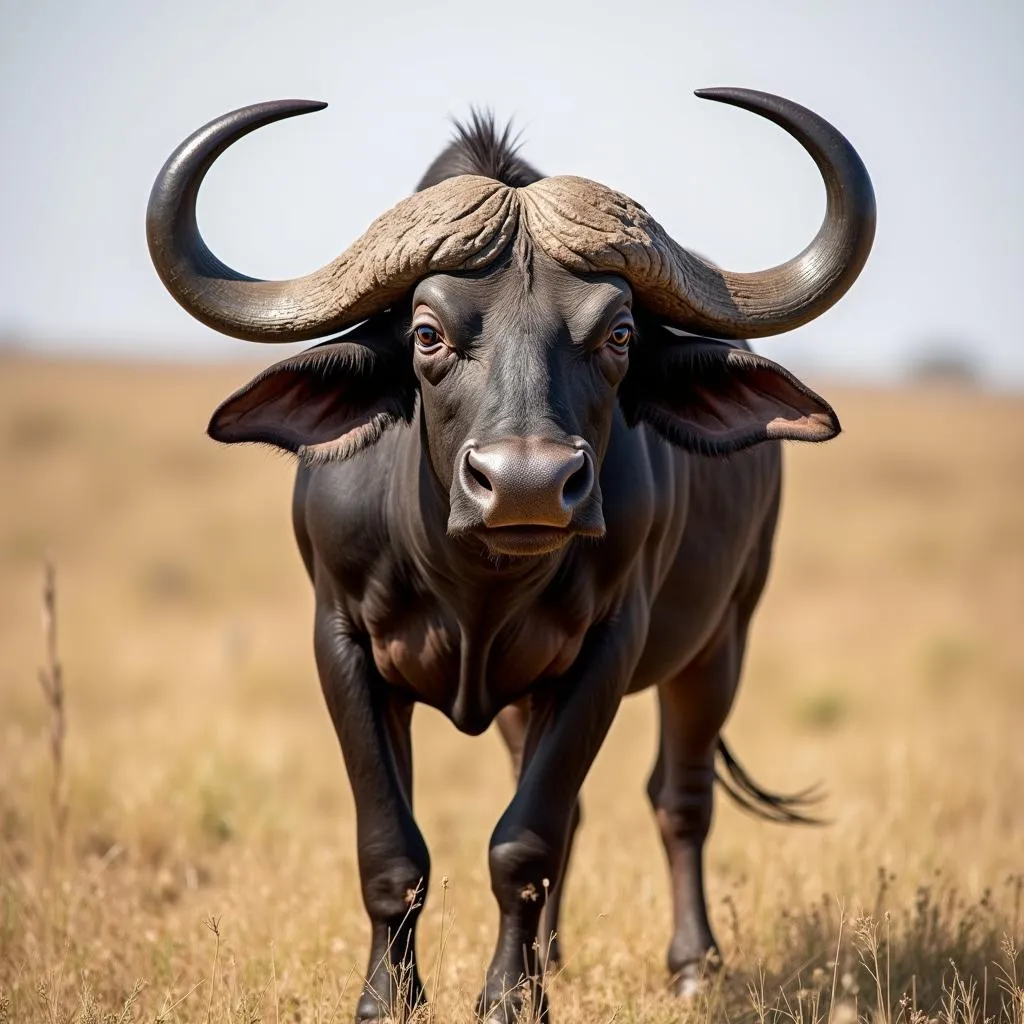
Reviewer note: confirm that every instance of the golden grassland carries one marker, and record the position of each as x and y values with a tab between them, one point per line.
206	794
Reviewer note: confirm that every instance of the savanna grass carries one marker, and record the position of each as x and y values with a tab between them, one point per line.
207	866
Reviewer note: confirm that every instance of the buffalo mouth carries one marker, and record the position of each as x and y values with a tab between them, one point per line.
525	541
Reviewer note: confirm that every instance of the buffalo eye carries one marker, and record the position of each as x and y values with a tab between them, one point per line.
621	336
427	337
611	354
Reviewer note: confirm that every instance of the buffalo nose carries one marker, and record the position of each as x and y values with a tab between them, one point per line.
527	481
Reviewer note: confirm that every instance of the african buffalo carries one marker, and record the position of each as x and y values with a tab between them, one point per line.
512	498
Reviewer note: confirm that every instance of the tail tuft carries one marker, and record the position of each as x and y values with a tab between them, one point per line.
783	808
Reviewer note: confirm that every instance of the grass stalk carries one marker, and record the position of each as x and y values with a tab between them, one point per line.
51	679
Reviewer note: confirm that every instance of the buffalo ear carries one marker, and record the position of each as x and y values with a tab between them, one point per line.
714	398
325	403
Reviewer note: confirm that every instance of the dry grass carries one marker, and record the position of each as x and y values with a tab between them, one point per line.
208	867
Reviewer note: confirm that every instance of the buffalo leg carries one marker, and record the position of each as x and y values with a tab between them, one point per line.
693	709
566	728
394	866
512	724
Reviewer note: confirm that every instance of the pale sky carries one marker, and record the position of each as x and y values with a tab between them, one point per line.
96	94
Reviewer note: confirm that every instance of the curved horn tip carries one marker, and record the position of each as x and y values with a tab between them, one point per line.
302	104
285	107
711	92
260	114
739	96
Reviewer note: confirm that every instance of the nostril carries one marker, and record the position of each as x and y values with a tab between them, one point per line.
577	487
474	475
479	477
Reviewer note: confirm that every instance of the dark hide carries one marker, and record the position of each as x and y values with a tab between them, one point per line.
503	514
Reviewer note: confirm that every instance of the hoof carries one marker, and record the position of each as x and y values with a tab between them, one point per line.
386	1007
369	1010
696	977
511	1007
687	986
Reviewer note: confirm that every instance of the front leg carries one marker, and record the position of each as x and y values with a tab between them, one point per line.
569	720
394	866
512	724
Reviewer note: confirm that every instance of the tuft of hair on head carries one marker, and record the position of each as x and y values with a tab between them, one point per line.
480	146
494	151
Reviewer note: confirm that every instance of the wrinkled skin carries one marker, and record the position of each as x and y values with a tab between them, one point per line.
584	592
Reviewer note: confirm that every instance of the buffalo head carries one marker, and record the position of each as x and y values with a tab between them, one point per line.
524	320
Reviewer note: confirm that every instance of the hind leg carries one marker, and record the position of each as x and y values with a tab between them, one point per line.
693	708
512	723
